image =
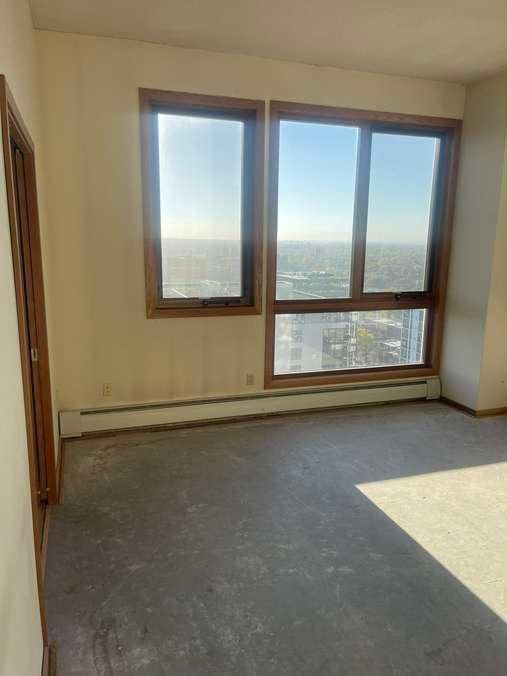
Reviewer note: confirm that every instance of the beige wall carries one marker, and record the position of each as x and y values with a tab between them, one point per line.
474	366
493	384
94	196
20	634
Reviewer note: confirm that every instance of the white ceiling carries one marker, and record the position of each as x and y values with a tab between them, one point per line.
455	40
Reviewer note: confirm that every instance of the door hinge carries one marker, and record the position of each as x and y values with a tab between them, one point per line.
34	353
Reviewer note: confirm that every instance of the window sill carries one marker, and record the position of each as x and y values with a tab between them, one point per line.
358	376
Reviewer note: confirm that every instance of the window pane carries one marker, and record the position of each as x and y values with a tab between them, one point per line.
401	187
316	186
200	163
348	340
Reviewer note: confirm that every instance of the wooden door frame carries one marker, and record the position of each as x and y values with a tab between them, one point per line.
11	120
11	117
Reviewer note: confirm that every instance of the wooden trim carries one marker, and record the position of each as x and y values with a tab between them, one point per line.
252	112
12	122
475	413
460	407
9	108
356	116
42	337
444	240
190	100
448	131
490	412
12	125
366	302
48	661
349	376
359	226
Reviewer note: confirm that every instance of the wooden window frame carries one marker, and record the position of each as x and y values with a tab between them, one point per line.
433	300
252	113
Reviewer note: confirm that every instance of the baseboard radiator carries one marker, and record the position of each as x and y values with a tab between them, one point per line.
176	413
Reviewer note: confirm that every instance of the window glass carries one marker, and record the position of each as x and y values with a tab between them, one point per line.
401	189
316	187
348	340
200	169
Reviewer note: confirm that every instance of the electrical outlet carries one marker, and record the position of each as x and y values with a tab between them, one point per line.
250	379
107	389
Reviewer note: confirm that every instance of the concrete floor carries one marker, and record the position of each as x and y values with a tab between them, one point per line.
368	541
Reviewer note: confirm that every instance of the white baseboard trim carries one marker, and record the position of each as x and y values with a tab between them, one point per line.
87	421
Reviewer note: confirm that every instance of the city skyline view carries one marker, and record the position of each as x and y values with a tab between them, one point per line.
200	163
203	268
201	201
332	341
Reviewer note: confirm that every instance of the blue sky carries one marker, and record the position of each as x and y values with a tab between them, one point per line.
401	180
200	177
317	176
200	174
317	173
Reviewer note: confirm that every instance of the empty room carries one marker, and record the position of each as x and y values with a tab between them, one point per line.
253	353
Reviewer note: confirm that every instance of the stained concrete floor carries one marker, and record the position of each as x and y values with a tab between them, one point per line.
367	541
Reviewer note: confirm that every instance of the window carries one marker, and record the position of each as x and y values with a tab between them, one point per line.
360	212
202	184
402	179
315	202
349	340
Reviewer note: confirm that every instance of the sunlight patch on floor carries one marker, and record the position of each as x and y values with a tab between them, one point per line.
460	518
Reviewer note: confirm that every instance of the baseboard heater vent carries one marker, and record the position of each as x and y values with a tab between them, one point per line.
93	421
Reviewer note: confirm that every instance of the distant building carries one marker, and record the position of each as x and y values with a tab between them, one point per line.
334	341
412	336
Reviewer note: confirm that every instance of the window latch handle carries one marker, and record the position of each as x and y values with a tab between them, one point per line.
411	295
220	301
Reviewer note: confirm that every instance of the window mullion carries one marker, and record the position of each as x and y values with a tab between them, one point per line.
435	215
361	211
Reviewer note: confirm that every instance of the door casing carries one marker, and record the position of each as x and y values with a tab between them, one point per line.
27	259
